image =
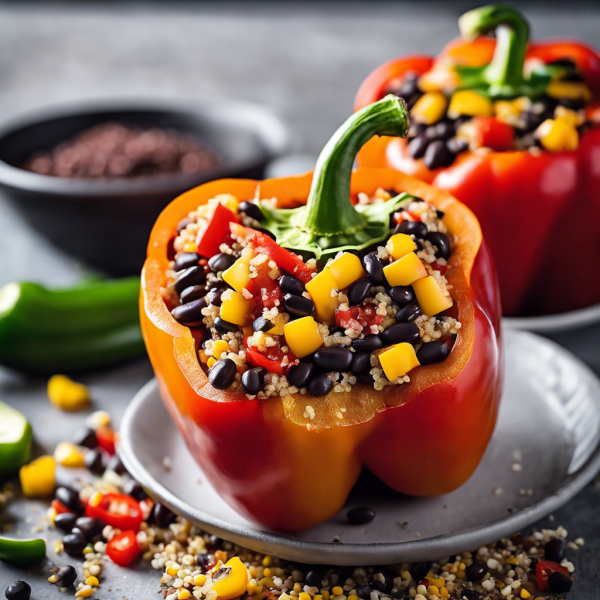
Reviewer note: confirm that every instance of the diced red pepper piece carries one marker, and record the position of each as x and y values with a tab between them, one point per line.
106	437
265	291
544	569
491	133
117	510
270	360
215	232
288	261
123	549
59	507
358	318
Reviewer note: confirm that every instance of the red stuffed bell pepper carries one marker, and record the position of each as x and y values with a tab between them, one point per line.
347	368
511	129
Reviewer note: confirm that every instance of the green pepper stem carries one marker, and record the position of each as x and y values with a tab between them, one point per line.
505	72
329	210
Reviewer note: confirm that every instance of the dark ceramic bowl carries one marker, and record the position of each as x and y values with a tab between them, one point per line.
107	222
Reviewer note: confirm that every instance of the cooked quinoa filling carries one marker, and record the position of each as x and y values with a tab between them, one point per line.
271	323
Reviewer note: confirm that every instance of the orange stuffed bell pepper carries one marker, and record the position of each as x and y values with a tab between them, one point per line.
511	129
367	334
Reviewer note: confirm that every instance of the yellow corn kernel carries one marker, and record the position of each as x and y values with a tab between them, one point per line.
235	583
67	394
67	455
267	573
93	581
461	575
511	560
320	289
444	592
297	587
38	477
398	360
238	275
304	596
525	593
211	362
325	594
234	307
556	135
337	590
190	247
266	561
469	103
572	117
172	571
317	597
200	580
219	347
267	582
346	269
229	201
302	336
429	108
183	595
437	581
571	90
508	110
400	245
500	584
430	297
84	592
405	270
202	356
95	499
433	590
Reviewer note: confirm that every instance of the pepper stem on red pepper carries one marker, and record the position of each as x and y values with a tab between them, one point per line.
330	222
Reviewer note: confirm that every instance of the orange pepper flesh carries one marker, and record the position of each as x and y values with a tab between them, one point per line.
277	466
543	200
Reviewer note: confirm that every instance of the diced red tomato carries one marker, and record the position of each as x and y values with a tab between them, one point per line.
491	133
59	507
123	549
358	317
117	510
404	215
544	569
215	232
288	261
106	437
270	359
266	291
441	268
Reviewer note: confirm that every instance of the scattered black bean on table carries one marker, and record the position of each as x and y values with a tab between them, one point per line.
65	575
94	461
89	526
74	543
85	437
335	358
476	571
559	583
19	590
69	498
115	464
65	521
161	515
222	374
134	489
555	550
360	515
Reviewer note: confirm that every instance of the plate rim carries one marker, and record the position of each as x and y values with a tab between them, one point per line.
356	554
556	323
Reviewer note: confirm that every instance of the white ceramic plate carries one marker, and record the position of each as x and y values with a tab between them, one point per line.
550	414
549	324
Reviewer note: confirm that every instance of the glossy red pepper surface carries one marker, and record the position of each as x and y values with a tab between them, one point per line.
280	468
123	549
117	510
544	569
540	213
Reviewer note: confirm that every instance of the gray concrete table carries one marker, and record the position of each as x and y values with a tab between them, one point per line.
305	60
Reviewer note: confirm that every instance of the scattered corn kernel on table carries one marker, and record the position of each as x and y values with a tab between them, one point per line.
306	61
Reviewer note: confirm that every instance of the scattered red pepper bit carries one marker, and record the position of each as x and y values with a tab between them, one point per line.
544	569
117	510
123	549
106	439
215	232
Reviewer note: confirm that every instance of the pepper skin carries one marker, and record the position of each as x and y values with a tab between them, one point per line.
540	213
288	472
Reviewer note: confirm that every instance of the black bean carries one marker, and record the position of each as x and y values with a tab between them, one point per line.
531	121
115	464
190	313
555	550
291	285
410	102
185	260
333	359
409	86
89	526
440	214
298	305
435	155
65	521
417	146
189	277
194	292
222	373
70	499
408	313
433	352
19	590
266	232
223	326
365	593
214	296
301	373
161	515
94	461
441	241
202	560
401	332
315	578
369	343
361	363
456	145
320	385
252	210
444	130
469	594
431	133
262	324
414	130
221	262
374	269
559	583
383	586
66	575
74	543
359	291
419	570
253	380
360	515
85	437
416	228
402	294
134	489
183	224
476	571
